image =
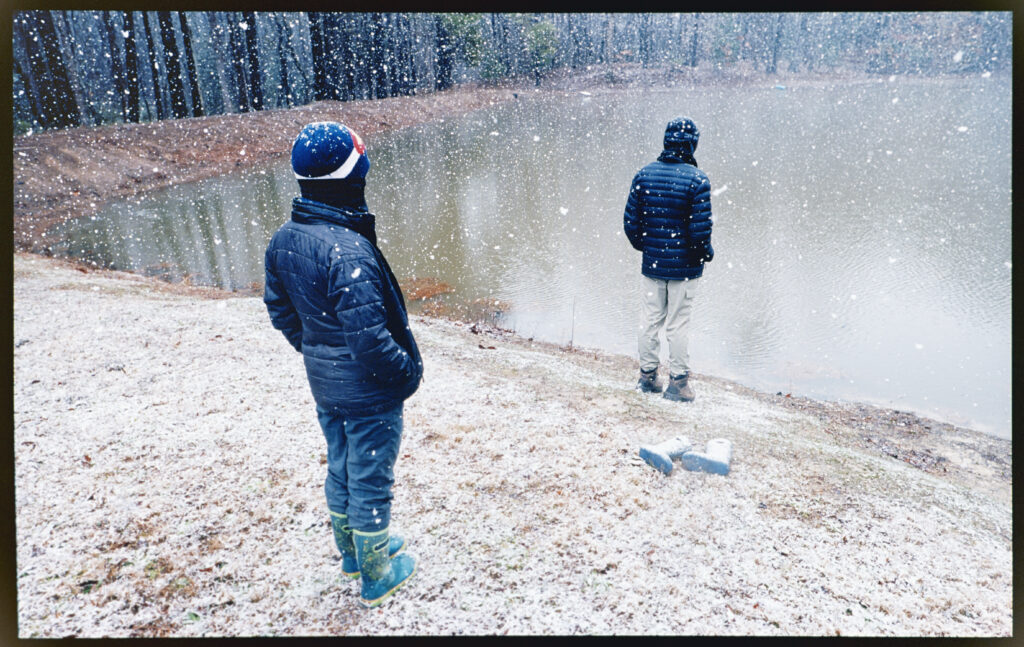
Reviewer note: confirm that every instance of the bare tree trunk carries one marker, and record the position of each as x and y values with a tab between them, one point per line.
406	74
83	97
645	39
282	39
298	61
161	109
238	57
24	31
131	66
116	63
172	66
693	47
255	77
606	41
218	35
445	56
804	45
319	46
778	43
356	76
190	66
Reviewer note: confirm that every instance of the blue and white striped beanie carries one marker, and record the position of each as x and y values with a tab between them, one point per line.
327	150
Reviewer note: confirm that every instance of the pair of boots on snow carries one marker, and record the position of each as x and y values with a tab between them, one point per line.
372	557
714	459
678	389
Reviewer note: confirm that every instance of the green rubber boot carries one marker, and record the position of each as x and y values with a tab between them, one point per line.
343	540
381	576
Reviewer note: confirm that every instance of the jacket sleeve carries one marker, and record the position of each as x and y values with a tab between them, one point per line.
631	221
356	292
700	219
283	315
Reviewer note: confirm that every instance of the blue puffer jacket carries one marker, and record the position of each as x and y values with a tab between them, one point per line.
332	294
668	217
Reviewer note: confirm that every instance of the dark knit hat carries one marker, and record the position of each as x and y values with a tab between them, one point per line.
681	133
327	150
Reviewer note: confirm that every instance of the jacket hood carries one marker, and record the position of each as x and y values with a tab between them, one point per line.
681	134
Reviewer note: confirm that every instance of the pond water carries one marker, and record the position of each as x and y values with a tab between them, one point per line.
861	231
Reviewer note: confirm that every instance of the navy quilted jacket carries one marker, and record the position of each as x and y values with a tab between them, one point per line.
668	217
332	294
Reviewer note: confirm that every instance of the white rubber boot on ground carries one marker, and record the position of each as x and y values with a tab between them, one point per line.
715	459
660	456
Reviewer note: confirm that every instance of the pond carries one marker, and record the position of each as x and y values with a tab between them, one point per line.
861	231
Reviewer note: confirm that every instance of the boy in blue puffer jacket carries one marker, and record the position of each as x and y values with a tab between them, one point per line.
668	218
333	295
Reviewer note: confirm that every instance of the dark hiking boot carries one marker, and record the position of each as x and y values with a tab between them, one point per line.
678	390
648	382
347	547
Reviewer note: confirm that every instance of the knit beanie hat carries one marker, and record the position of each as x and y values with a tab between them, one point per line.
327	150
330	163
681	134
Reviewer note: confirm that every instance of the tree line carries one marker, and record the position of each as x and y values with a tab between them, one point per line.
74	68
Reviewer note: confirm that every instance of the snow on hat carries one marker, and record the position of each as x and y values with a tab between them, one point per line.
681	130
327	150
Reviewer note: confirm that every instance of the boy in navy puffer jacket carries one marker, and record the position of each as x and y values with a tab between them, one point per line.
668	218
333	295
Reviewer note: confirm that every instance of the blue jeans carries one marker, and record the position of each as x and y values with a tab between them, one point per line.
361	454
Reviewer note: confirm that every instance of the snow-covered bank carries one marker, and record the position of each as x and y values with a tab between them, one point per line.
169	475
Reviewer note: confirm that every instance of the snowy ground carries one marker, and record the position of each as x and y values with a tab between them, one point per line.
169	473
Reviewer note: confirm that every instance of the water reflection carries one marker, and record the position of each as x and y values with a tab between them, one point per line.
861	231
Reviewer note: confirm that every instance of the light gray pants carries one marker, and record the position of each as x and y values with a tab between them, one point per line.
665	303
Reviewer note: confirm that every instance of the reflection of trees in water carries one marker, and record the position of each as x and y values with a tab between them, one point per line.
210	233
